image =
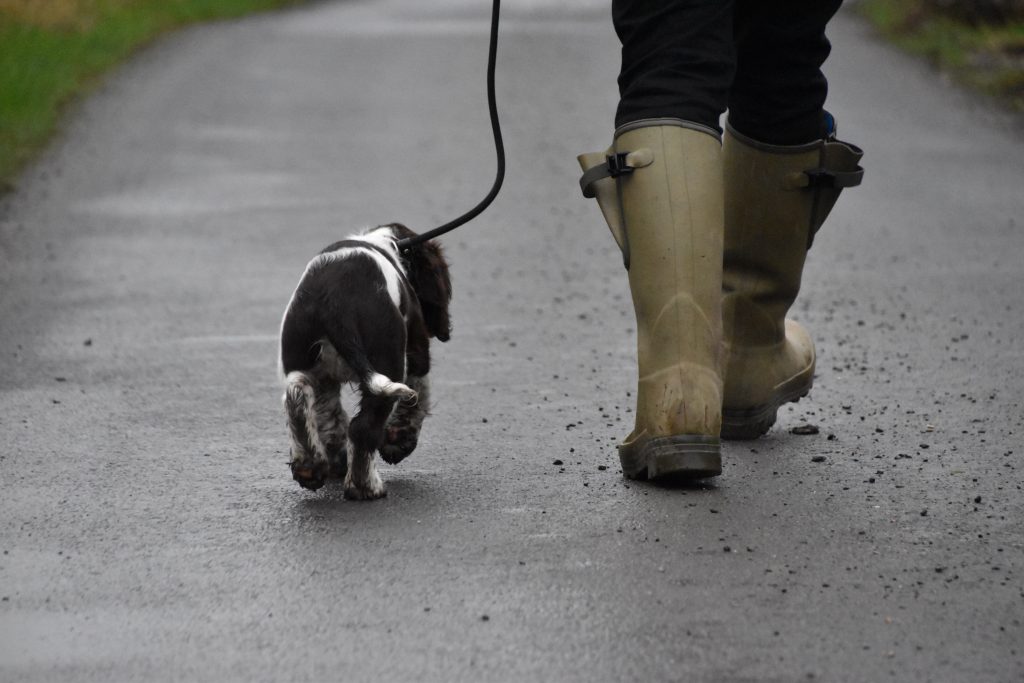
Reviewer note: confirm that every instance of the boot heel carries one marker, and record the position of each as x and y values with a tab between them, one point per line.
749	424
685	456
746	424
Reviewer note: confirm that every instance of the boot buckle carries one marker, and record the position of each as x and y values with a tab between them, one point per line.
618	165
820	177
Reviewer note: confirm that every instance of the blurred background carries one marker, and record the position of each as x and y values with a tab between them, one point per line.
54	50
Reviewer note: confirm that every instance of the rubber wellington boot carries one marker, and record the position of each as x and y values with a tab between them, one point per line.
660	188
776	198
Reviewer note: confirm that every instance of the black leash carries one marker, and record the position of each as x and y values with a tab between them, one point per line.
499	148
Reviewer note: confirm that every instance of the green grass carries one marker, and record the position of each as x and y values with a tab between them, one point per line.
50	56
987	57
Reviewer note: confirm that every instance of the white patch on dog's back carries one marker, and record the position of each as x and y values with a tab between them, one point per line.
381	237
392	278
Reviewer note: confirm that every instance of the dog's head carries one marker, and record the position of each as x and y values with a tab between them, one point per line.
428	273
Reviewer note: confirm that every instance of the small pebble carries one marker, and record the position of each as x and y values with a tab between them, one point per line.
818	458
805	430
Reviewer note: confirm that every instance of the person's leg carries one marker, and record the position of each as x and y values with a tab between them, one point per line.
678	59
660	187
783	171
779	91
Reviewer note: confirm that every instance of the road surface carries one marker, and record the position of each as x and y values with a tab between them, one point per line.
149	527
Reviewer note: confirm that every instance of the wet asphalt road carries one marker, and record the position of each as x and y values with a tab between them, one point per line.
150	530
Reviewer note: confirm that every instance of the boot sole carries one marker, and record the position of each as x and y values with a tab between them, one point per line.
746	424
670	458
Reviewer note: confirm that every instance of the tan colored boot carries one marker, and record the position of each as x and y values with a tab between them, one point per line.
776	198
660	188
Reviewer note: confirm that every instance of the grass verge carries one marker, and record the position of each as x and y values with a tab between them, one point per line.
988	57
54	50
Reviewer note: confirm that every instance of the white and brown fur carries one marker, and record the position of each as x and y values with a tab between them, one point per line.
362	313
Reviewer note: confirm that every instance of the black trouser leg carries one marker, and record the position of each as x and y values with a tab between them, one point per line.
678	59
778	93
690	59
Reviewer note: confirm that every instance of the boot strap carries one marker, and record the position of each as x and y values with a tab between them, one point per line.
616	165
815	178
839	169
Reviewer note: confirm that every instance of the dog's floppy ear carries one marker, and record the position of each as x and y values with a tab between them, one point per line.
433	285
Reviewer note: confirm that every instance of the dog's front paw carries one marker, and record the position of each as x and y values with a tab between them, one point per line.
371	489
310	475
399	442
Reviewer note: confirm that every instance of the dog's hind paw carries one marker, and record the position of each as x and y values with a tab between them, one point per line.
310	475
398	444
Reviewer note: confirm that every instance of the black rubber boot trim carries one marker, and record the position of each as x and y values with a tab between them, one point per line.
686	456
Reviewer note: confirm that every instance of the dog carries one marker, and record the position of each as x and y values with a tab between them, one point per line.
363	313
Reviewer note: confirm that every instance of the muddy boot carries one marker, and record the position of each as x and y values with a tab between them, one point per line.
776	198
660	188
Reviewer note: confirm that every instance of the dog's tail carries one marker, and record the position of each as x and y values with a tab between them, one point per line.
382	385
369	379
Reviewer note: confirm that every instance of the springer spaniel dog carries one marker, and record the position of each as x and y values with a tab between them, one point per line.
362	313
